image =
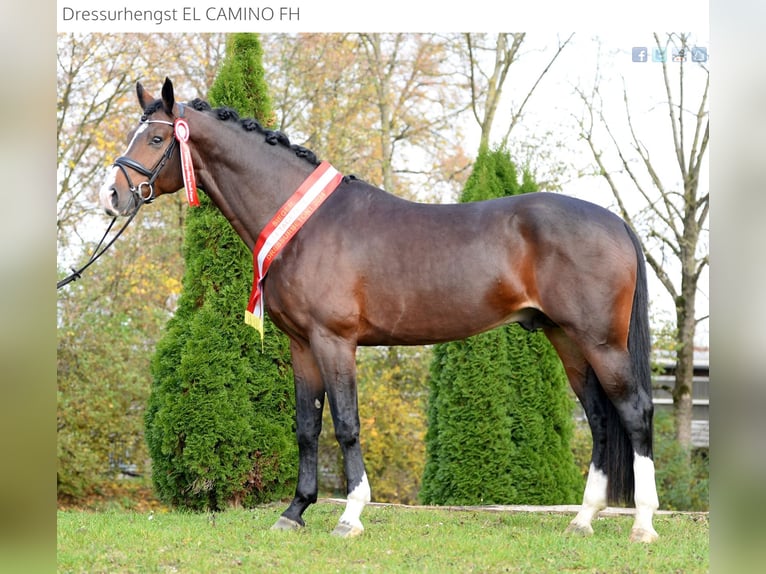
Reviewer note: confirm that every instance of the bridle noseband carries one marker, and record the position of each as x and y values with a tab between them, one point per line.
124	162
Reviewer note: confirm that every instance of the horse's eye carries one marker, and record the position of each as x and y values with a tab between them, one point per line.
156	140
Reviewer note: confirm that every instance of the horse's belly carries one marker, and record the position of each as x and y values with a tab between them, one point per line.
435	321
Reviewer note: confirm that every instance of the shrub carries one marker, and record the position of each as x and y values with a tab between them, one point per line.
680	485
220	422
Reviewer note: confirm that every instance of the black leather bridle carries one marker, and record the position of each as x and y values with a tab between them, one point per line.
124	162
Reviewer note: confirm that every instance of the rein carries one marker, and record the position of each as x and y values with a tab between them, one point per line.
77	273
124	162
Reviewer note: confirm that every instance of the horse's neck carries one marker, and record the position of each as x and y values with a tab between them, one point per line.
247	187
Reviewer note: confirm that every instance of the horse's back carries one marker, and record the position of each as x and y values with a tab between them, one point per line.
393	217
385	234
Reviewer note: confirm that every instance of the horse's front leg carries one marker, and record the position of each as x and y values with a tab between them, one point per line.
337	363
309	401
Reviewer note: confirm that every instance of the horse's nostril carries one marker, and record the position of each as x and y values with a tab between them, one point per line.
115	199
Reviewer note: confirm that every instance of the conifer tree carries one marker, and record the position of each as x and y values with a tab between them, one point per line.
220	420
499	415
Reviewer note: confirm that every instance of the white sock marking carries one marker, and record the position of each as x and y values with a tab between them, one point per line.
355	503
646	492
594	497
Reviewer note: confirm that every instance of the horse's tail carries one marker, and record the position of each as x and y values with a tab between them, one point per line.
618	452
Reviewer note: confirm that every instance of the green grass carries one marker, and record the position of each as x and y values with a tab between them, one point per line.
396	540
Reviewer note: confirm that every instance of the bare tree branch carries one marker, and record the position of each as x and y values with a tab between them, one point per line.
517	115
487	93
701	265
674	122
698	149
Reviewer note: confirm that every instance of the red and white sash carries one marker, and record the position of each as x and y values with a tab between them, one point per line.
281	229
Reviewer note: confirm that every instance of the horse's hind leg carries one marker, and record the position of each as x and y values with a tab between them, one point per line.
586	387
594	498
619	412
633	403
337	363
309	401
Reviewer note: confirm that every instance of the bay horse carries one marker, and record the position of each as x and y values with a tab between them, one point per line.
370	268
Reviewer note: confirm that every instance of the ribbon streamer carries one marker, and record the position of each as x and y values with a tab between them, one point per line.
187	169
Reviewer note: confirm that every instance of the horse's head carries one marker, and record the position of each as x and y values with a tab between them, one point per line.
150	166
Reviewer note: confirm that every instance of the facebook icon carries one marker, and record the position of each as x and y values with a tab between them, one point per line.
640	54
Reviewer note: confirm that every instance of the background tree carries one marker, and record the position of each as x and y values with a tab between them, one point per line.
499	415
487	86
106	335
382	106
416	98
109	323
487	60
672	213
93	75
220	417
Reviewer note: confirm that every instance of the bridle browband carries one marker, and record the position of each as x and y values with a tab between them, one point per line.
124	162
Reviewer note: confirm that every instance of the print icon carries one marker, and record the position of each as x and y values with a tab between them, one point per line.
679	54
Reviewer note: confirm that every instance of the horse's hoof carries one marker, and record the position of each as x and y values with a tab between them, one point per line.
286	524
576	529
346	530
643	535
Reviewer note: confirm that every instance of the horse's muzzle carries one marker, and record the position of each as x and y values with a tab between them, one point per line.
114	200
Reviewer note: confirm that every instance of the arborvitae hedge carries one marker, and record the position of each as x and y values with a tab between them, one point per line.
499	415
220	420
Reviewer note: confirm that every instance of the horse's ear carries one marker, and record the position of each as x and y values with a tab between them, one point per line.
144	98
168	99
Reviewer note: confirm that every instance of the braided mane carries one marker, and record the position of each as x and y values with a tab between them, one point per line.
272	137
